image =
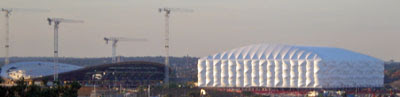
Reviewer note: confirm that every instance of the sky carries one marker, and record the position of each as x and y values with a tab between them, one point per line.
370	27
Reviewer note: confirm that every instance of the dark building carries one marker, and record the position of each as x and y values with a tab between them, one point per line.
126	74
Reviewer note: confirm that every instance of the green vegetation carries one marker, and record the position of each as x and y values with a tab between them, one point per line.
22	89
194	94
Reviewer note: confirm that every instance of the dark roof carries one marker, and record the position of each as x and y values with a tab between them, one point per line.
78	74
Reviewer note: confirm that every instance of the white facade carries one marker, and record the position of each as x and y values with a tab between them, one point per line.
287	66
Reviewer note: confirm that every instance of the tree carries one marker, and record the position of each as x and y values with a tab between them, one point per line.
1	79
247	93
21	87
71	90
34	91
194	94
50	92
5	91
168	95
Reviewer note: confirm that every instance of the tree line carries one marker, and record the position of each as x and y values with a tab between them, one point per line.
23	89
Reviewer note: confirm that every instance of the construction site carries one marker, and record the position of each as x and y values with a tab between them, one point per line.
199	49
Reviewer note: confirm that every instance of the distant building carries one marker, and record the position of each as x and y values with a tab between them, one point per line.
126	74
290	66
392	62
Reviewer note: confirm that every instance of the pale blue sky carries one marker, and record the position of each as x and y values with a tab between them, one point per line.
367	26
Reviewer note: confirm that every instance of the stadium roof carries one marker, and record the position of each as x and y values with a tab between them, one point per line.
80	74
33	69
292	52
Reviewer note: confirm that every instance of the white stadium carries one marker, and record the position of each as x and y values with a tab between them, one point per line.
290	66
30	70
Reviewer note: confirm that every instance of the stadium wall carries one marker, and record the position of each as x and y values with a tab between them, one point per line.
311	71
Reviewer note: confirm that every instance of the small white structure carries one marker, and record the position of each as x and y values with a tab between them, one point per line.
16	74
33	69
289	66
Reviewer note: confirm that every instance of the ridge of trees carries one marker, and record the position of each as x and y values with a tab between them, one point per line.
23	89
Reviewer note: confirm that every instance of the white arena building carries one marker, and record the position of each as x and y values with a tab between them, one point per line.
290	66
30	70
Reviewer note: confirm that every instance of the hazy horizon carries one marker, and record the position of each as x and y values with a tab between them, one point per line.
369	27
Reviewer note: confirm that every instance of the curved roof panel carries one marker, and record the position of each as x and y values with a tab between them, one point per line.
289	66
33	69
278	51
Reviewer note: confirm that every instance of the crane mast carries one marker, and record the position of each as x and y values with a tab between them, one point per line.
114	41
167	12
166	46
114	51
7	36
56	22
7	29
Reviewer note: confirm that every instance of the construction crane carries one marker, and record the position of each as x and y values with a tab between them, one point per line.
7	12
56	22
167	12
114	41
